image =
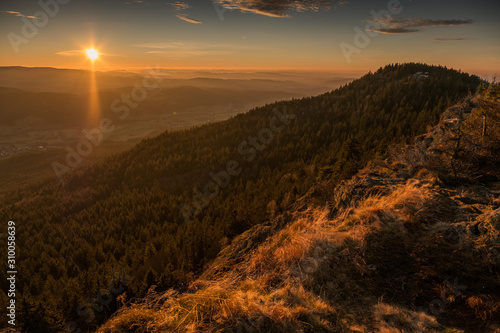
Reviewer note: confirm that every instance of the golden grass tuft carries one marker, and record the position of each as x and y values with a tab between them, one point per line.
392	319
134	319
484	306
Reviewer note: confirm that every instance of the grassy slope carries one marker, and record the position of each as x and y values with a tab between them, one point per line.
406	247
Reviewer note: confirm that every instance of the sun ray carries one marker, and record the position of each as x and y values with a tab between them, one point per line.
94	109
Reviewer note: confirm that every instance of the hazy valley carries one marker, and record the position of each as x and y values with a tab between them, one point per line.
45	110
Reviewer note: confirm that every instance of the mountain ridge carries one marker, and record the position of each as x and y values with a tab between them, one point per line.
123	214
407	245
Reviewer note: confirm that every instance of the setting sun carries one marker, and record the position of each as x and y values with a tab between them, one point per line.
92	53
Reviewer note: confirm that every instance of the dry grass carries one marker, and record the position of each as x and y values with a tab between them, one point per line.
271	291
134	319
386	212
484	306
316	274
392	319
324	273
248	309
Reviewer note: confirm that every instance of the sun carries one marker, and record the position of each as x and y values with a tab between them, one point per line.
92	53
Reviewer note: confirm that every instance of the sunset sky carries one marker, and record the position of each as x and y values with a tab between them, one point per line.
133	34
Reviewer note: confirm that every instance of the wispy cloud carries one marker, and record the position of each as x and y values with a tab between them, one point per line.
139	2
178	5
187	53
18	14
390	25
159	45
182	49
185	18
278	8
70	53
448	39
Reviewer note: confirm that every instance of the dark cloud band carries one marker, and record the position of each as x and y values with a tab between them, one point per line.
389	25
278	8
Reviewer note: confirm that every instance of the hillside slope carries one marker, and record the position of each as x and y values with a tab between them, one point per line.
164	209
409	244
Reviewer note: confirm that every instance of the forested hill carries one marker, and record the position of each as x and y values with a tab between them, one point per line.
411	243
164	209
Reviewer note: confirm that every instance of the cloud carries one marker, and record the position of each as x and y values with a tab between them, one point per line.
70	53
390	25
160	45
178	5
184	54
18	14
182	49
187	19
141	2
447	39
278	8
395	30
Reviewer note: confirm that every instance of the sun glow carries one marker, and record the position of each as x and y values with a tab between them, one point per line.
94	108
92	53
